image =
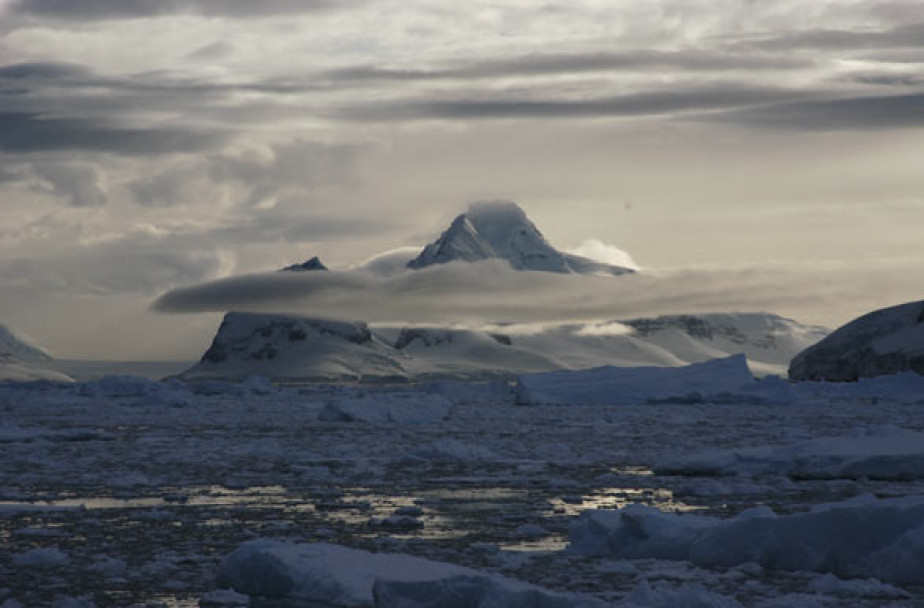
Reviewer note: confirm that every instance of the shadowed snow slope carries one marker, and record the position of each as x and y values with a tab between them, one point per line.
500	229
882	342
291	347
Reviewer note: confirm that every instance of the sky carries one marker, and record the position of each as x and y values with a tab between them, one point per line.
767	148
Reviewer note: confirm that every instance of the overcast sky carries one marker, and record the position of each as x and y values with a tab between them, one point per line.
152	144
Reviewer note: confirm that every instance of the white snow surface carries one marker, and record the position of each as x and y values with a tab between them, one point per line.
341	576
883	539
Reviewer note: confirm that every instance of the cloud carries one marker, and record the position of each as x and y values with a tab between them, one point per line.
687	60
92	10
905	35
856	113
79	184
115	268
602	252
43	69
251	176
31	132
389	263
506	106
486	292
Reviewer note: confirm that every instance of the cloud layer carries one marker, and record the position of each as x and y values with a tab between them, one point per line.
492	292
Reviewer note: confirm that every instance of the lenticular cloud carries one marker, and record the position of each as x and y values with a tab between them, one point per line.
492	291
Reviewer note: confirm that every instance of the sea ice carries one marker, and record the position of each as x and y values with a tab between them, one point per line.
341	576
882	539
884	452
380	408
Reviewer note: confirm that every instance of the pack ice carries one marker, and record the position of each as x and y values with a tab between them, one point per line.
341	576
885	453
864	537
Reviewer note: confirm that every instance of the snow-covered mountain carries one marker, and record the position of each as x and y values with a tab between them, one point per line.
500	229
885	341
289	347
20	348
297	348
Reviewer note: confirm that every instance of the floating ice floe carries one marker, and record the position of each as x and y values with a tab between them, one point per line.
886	452
377	408
718	380
864	537
341	576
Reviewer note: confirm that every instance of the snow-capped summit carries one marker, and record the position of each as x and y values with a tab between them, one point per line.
501	230
314	263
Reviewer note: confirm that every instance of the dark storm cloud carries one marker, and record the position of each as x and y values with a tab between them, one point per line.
694	60
33	132
92	10
859	113
638	104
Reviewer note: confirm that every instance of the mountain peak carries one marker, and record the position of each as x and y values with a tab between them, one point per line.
501	230
314	263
